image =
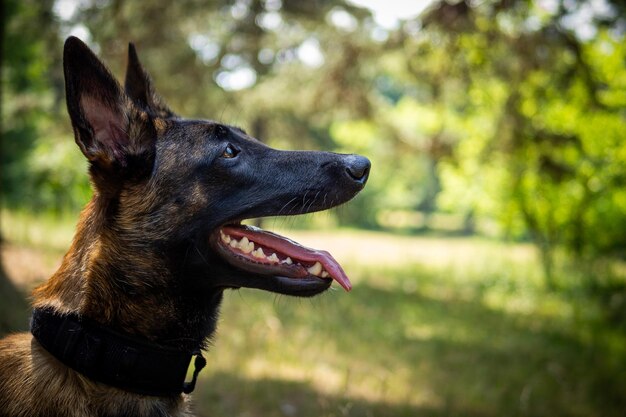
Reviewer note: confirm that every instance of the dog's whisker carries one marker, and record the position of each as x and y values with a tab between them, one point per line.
304	198
200	254
313	201
293	210
285	205
186	257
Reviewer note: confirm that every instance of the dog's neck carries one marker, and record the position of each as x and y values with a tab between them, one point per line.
112	358
128	286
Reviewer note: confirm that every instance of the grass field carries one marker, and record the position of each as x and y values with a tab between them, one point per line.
433	327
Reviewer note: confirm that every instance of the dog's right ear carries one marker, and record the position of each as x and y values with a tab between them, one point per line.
110	131
138	86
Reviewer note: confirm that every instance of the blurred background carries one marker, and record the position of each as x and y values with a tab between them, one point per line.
488	250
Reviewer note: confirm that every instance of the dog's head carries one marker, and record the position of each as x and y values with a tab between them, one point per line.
178	189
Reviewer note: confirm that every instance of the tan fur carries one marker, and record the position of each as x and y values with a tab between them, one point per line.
33	383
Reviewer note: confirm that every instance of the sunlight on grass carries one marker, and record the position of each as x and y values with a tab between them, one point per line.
43	231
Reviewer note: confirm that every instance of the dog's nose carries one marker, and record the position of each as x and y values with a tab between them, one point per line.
358	168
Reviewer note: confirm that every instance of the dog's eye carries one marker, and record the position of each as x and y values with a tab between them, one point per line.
230	152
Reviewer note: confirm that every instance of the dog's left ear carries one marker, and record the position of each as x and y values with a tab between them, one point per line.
138	86
109	129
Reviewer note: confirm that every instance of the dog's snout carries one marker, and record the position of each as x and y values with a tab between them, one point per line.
358	168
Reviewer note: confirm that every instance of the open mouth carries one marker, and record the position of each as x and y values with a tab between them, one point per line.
265	253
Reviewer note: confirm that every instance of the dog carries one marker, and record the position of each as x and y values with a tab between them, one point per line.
137	295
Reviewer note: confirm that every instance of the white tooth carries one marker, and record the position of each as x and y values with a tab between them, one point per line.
258	253
233	243
315	269
247	248
243	243
287	261
273	258
324	274
225	238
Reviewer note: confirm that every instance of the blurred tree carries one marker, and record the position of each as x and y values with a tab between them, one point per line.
551	114
40	170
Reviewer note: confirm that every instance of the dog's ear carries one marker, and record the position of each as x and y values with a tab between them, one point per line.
108	128
138	86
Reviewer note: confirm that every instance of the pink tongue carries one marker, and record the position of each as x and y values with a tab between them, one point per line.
292	249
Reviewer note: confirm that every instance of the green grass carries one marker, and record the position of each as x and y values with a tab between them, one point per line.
420	343
433	327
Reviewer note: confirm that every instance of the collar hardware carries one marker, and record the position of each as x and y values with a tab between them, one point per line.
198	364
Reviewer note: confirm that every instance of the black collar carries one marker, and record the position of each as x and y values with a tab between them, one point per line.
115	359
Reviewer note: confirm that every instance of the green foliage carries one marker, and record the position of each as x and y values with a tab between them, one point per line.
30	70
501	114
